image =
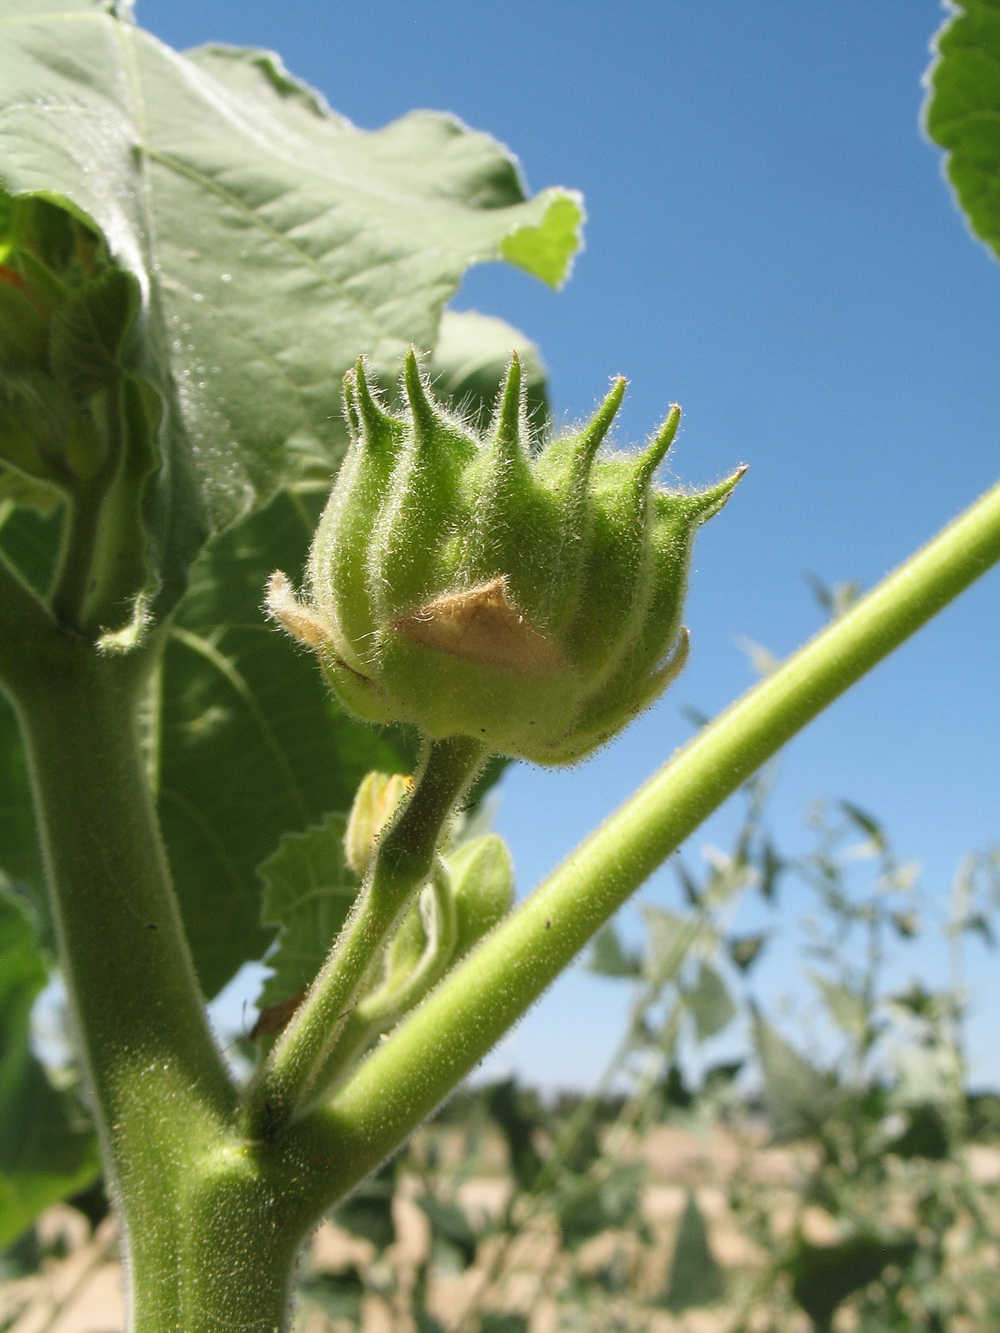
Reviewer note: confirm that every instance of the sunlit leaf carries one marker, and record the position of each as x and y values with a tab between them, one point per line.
962	111
272	240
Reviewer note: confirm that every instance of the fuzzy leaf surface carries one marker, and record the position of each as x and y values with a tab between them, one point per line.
273	241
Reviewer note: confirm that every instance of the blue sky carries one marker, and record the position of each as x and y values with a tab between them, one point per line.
770	243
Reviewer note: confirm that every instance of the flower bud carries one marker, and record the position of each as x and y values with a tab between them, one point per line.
472	586
376	801
482	885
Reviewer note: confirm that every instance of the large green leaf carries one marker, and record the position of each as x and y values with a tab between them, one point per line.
273	241
963	112
247	742
47	1150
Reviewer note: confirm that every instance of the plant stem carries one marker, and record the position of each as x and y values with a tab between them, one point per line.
292	1079
135	998
419	1064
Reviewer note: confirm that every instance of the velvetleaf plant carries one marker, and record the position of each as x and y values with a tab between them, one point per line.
204	249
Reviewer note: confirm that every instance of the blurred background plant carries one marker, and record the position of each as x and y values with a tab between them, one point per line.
770	1191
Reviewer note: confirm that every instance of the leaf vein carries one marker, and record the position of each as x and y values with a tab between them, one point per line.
239	684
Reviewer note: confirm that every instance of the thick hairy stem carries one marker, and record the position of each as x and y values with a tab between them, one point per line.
159	1088
419	1064
293	1078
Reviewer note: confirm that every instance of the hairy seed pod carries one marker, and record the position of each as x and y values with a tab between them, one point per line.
472	586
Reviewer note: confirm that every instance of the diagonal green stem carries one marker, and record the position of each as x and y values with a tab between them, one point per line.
416	1068
293	1077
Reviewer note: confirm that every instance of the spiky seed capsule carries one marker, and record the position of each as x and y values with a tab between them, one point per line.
470	586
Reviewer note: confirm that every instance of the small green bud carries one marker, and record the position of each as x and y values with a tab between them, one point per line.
472	586
482	885
376	801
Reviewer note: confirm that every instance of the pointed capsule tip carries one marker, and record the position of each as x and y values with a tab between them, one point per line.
421	408
363	403
350	402
512	383
707	504
507	421
654	454
600	423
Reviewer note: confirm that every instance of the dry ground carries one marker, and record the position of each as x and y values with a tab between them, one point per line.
81	1293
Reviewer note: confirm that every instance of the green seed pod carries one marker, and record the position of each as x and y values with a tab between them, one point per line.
473	586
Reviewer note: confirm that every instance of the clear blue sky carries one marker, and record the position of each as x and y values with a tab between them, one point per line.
770	243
